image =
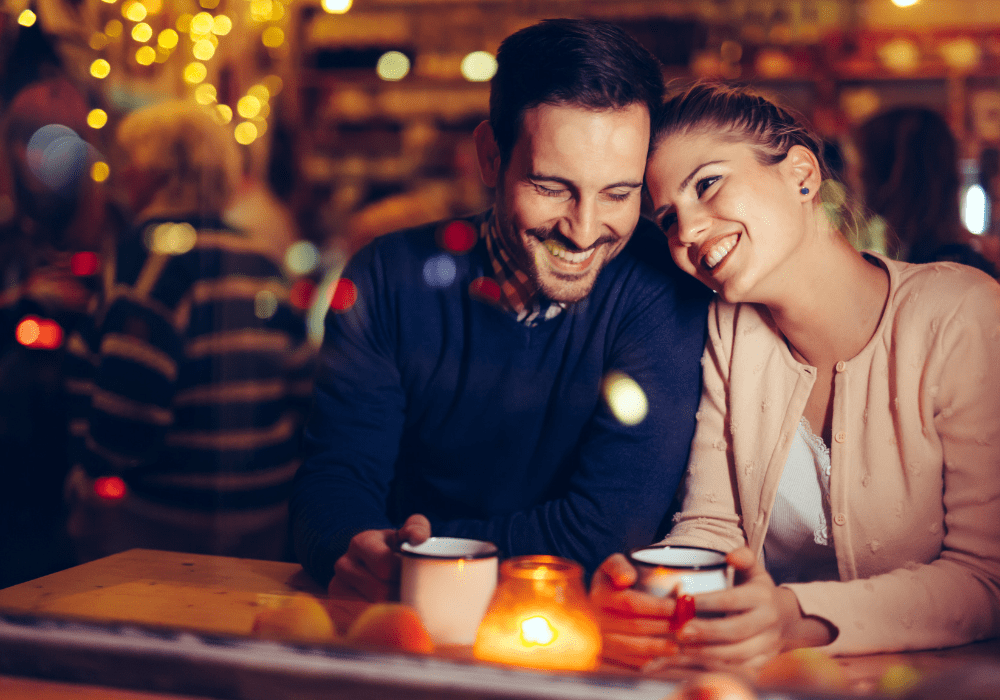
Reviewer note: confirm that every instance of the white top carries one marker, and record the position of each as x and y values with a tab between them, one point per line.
798	546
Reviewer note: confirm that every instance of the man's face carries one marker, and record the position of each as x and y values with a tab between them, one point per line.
568	198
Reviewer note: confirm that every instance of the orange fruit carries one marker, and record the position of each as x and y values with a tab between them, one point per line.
300	618
393	626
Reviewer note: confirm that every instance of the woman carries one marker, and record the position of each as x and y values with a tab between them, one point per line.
847	453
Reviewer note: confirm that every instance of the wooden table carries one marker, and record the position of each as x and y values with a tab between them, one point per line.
218	599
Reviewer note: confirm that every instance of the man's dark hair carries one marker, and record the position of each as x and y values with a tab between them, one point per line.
583	62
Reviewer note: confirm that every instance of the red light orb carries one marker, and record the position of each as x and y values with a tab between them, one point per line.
28	330
301	294
485	289
84	263
458	237
110	487
344	295
50	335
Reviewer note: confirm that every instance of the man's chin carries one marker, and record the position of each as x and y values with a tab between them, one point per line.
567	290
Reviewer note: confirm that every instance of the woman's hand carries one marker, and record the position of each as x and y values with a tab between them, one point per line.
760	621
635	624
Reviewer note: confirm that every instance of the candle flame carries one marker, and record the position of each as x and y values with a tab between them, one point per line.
537	631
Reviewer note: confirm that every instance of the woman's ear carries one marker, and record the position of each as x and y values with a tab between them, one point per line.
488	154
804	171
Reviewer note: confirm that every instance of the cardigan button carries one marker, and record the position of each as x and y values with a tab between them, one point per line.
840	518
841	436
841	366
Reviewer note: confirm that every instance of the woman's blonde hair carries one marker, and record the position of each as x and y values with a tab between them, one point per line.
197	156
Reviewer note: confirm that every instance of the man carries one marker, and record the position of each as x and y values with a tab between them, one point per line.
463	388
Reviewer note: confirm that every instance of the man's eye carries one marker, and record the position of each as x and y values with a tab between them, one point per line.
549	192
705	183
619	196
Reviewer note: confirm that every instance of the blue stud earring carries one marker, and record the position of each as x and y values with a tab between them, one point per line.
804	190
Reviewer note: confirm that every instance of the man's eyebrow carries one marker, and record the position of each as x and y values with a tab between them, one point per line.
632	184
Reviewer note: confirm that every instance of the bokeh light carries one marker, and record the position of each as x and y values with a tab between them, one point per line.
97	118
272	37
145	55
392	65
458	237
39	333
84	263
203	49
154	7
142	32
905	3
171	238
201	23
27	18
100	69
136	12
209	4
248	107
183	22
301	294
205	94
273	84
260	91
345	294
485	289
98	40
900	55
195	73
168	39
224	113
100	171
625	398
301	258
245	133
479	66
27	330
439	271
58	157
337	7
265	304
114	28
110	488
222	25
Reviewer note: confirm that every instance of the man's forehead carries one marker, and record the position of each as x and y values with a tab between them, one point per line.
549	130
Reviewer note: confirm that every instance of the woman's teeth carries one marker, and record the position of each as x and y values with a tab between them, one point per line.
720	251
558	251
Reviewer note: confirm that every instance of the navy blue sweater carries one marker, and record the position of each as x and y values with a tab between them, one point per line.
430	400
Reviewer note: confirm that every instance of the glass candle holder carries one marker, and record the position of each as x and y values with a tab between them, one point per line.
540	617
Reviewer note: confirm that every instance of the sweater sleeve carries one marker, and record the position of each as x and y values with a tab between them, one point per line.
954	599
625	472
710	515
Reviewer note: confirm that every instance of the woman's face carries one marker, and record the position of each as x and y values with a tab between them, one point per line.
731	221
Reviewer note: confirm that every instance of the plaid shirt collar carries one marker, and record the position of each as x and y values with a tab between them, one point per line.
518	292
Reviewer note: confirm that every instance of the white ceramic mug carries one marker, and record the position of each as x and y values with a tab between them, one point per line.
665	570
450	581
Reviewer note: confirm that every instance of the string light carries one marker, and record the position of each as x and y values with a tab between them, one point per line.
26	18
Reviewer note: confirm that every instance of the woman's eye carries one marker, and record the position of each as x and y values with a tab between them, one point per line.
667	222
705	183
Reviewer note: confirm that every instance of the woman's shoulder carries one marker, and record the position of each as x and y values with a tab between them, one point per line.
933	293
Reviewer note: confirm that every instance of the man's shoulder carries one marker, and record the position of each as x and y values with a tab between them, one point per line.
454	236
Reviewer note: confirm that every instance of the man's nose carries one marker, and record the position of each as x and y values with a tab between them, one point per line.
584	228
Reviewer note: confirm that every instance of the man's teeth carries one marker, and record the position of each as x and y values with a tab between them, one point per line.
563	254
720	251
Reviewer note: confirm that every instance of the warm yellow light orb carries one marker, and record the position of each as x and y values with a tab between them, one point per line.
26	18
273	84
259	91
99	171
136	12
222	25
145	55
205	94
195	73
168	39
201	23
245	133
260	10
272	37
337	7
478	66
625	398
203	50
225	113
142	32
392	65
905	3
162	54
154	7
98	41
100	69
183	22
97	118
209	4
248	107
113	28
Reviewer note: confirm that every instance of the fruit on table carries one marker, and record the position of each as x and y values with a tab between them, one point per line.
299	618
802	667
393	626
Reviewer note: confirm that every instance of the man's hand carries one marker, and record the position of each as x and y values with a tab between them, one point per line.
371	564
635	624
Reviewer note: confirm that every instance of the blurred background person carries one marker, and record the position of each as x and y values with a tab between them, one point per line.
196	372
909	178
55	222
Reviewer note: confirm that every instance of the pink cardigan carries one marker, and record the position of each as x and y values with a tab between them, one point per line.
915	480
